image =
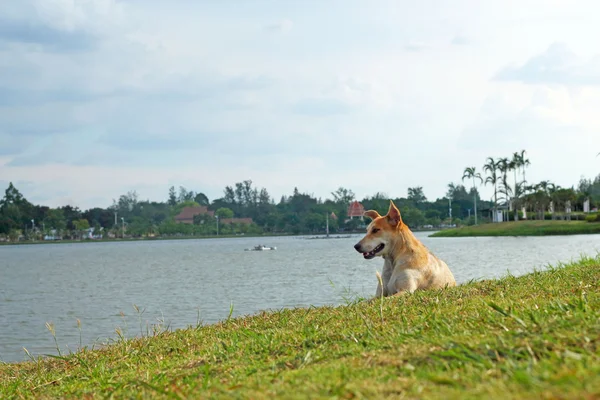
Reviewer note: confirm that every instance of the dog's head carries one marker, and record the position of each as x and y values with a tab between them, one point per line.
382	233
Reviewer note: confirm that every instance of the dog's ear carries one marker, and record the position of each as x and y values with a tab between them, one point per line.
372	214
393	215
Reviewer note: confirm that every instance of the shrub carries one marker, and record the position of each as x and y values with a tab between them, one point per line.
593	217
511	215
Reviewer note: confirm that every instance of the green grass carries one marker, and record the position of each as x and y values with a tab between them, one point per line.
535	336
523	228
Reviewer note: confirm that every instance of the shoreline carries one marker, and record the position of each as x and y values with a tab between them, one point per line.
341	235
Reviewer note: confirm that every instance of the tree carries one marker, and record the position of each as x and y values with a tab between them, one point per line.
55	219
15	210
126	204
81	225
413	217
12	196
524	163
504	167
172	196
10	218
471	173
491	167
513	165
138	227
314	221
185	195
416	195
224	213
201	199
229	195
539	197
343	196
100	216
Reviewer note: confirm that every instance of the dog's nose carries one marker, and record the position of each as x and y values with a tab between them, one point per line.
357	247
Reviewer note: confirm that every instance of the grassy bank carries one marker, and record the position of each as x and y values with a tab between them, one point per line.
535	336
523	228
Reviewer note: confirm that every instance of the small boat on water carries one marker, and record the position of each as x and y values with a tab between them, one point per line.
261	247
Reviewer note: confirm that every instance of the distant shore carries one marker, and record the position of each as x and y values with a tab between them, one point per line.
337	235
523	228
110	240
143	239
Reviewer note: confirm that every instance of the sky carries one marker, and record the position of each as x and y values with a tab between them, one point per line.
100	97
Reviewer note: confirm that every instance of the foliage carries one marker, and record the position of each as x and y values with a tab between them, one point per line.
81	224
298	212
224	212
593	217
417	196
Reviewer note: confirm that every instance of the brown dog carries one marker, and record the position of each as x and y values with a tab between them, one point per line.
409	265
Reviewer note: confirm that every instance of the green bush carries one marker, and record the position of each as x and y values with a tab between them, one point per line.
511	215
593	217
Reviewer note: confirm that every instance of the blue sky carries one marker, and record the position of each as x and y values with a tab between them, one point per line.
100	97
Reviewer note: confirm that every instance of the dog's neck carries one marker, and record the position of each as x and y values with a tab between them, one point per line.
404	248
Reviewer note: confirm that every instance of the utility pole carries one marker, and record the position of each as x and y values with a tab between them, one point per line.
327	226
217	225
123	227
450	209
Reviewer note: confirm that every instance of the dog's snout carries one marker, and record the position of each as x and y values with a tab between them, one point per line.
357	247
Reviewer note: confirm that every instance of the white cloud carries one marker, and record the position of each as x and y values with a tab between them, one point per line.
415	46
460	40
557	65
283	26
114	96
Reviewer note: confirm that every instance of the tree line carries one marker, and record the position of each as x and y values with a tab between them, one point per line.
543	199
298	212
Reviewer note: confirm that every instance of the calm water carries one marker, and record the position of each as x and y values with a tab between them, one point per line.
174	281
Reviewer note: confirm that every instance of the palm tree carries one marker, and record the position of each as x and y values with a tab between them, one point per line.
515	164
470	172
524	163
491	167
503	166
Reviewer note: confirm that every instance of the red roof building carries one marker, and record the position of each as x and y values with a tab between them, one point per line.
355	209
187	215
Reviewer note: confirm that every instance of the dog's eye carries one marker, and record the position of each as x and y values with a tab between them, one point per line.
375	230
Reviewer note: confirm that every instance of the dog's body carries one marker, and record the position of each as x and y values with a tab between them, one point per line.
409	265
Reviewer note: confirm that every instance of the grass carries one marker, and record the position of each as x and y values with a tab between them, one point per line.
534	336
523	228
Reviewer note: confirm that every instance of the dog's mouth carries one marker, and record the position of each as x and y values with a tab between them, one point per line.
373	252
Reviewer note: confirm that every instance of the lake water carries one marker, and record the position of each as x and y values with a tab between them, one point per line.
174	281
